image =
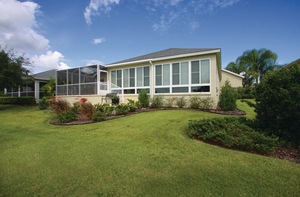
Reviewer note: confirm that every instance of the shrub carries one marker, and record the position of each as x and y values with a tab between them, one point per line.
43	104
143	98
28	100
121	109
194	102
181	102
245	92
86	110
278	106
206	103
133	105
228	97
157	101
105	108
65	117
98	116
169	102
59	105
231	133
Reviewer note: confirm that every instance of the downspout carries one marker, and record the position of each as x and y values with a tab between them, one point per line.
151	79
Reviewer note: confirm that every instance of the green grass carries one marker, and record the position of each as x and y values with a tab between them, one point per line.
147	154
246	108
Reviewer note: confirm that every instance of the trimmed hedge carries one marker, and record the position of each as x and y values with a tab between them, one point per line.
18	100
231	133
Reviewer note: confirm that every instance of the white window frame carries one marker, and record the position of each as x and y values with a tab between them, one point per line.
189	85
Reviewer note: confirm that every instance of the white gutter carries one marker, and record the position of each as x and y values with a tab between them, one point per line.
232	73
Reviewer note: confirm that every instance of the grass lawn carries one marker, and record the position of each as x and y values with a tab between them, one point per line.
147	154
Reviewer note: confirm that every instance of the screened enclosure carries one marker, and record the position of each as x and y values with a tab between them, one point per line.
88	80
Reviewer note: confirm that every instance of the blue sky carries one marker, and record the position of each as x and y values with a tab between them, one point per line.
72	33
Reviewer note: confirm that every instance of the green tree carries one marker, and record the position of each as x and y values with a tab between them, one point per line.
13	71
239	68
278	103
259	62
228	97
50	88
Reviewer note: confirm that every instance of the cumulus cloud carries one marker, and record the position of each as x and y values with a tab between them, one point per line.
98	40
50	60
97	6
18	26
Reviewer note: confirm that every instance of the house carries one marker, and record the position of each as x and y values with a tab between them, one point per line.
235	80
32	85
173	72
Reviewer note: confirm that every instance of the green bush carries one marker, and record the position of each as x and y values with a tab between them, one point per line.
169	102
157	101
43	104
231	133
65	117
133	105
194	102
181	102
228	97
104	108
121	109
206	103
98	116
245	92
143	98
29	100
278	103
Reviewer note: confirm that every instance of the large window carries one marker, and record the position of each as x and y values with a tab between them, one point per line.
130	80
183	77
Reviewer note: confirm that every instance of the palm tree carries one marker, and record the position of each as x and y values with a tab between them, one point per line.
259	62
241	69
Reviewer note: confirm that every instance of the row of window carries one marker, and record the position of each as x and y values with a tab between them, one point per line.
182	77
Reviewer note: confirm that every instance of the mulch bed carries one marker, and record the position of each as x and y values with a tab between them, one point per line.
288	154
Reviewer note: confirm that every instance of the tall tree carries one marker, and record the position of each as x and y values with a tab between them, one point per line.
259	62
239	68
13	69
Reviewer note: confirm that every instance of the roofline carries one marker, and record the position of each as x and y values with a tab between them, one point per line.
232	73
165	58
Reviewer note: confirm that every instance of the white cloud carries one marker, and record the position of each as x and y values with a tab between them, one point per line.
170	12
50	60
92	62
97	6
98	40
18	26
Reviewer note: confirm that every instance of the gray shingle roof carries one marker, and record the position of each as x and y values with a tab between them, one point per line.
45	75
165	53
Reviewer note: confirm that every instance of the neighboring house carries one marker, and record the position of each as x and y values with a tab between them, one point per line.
33	85
235	80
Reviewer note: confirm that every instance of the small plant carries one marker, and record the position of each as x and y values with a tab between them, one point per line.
98	116
104	108
86	110
206	103
132	105
228	97
181	102
194	102
143	98
115	100
169	102
65	117
121	109
59	105
43	104
157	101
